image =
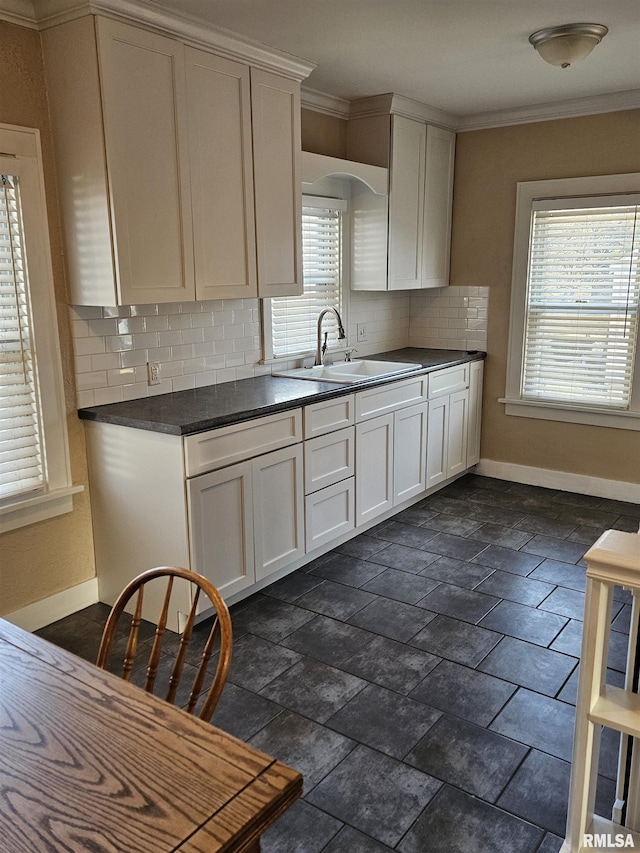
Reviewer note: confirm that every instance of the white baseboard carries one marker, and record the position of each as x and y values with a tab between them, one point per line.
41	613
599	487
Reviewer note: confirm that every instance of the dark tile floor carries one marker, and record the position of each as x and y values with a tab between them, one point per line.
423	676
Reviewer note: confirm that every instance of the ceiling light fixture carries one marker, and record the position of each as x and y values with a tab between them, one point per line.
568	43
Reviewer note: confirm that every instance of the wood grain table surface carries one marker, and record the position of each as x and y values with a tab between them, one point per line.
91	763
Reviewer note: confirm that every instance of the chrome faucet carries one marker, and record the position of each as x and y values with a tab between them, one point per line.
322	348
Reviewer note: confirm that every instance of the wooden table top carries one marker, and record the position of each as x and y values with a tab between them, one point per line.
89	762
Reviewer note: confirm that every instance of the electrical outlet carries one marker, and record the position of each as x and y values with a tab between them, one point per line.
153	372
362	332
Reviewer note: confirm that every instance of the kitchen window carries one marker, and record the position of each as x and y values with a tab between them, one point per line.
290	322
35	481
573	347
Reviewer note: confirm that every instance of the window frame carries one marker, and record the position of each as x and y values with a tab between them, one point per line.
21	155
340	194
529	192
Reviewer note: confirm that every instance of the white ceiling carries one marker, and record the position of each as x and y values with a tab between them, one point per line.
463	56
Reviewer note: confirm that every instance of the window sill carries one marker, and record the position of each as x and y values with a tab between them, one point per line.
37	508
573	415
293	356
305	356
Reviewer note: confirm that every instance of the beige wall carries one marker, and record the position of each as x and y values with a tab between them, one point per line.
489	163
324	134
42	559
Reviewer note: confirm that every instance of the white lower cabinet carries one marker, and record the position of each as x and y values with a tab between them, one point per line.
457	433
246	521
243	502
409	452
374	468
390	447
227	503
453	433
447	437
390	461
221	527
329	513
438	418
475	412
328	459
278	510
329	464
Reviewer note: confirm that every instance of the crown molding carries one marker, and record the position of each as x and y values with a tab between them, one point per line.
598	104
390	103
20	12
193	31
320	102
374	105
409	108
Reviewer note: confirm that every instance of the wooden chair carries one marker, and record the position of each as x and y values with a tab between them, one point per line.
221	628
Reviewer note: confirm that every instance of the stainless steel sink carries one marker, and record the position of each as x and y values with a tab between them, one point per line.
349	372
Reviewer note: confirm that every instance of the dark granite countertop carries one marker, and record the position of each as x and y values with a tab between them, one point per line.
199	409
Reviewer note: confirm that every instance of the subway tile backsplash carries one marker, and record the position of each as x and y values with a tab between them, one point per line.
449	318
196	343
204	343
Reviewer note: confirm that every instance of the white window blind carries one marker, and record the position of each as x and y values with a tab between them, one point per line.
583	291
21	468
294	318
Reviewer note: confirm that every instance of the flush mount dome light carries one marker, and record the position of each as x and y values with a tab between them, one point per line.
568	43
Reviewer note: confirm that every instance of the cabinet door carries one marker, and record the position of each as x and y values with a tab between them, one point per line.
437	430
221	527
409	452
275	110
374	468
73	95
219	107
438	199
475	413
278	496
457	432
143	85
406	203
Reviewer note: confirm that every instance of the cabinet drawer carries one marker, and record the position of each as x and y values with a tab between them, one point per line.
328	459
216	448
329	513
448	380
328	416
379	401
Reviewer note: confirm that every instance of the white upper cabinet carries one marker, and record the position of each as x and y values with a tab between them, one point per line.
177	168
406	203
118	123
220	154
438	202
420	200
275	106
420	157
142	80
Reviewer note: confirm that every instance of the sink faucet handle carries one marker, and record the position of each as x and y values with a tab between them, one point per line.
324	345
347	354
